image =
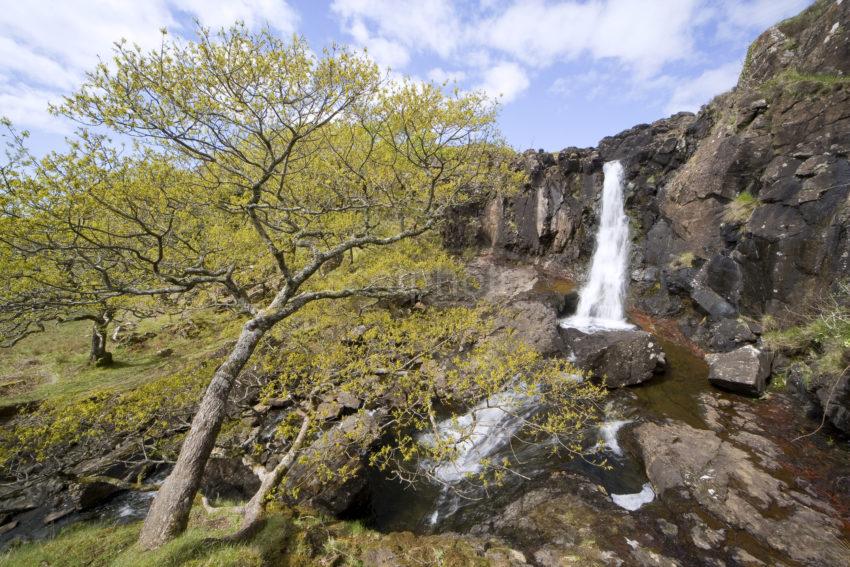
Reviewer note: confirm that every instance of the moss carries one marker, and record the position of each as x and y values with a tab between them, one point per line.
795	24
684	260
740	208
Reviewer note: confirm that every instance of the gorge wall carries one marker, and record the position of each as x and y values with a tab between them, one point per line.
738	212
781	136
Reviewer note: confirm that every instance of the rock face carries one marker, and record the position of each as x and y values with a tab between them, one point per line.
744	370
531	314
688	465
741	209
617	358
833	392
228	479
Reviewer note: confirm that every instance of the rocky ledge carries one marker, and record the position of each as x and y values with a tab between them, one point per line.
733	477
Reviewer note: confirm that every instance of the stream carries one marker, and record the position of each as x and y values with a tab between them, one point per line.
762	428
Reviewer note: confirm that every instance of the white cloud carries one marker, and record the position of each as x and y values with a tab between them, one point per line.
643	35
737	15
26	107
47	46
693	93
217	14
590	84
439	75
495	38
504	81
385	52
431	25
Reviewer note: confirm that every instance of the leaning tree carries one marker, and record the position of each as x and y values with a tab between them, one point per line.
306	174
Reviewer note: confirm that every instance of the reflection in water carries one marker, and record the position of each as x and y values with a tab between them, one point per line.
675	394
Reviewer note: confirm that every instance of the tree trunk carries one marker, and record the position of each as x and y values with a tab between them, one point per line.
169	512
99	356
254	511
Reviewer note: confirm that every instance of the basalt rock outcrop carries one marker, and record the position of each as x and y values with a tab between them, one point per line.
744	370
615	358
741	209
738	212
730	475
683	462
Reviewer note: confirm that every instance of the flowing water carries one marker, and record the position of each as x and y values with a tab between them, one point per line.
600	305
486	430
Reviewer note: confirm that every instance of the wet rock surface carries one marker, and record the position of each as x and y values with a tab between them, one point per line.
616	358
573	522
730	479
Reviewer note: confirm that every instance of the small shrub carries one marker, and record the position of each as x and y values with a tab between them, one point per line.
823	332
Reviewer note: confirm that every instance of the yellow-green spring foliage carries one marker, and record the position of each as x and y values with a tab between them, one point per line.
147	416
422	366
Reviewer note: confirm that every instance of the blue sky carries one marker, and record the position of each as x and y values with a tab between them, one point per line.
567	73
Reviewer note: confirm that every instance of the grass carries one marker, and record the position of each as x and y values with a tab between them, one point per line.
823	334
100	545
740	208
82	408
54	365
795	24
792	78
291	538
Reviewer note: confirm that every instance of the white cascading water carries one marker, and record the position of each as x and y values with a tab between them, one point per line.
600	305
480	433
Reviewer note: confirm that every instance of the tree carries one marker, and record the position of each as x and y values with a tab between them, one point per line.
69	225
292	161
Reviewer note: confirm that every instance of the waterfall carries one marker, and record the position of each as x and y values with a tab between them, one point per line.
600	305
480	433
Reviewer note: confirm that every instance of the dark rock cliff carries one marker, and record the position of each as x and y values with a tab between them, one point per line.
739	210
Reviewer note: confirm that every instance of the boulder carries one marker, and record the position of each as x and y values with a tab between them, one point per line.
700	469
573	521
728	334
536	322
744	370
832	393
228	478
617	358
331	472
712	303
